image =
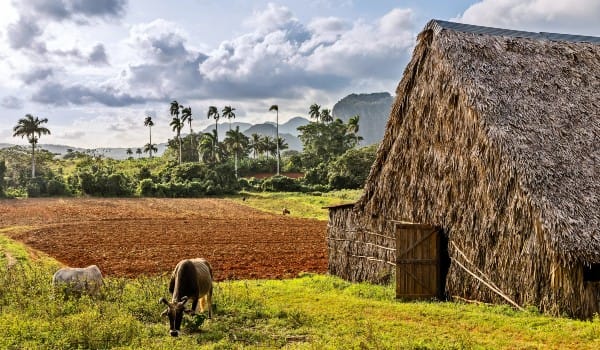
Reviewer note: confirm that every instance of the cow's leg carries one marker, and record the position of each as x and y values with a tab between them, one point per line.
194	306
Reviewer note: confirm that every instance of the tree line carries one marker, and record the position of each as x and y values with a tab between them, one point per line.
196	164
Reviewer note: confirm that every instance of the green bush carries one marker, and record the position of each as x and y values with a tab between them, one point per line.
281	184
57	188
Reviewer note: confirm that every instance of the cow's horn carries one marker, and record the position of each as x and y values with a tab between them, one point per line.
184	299
163	300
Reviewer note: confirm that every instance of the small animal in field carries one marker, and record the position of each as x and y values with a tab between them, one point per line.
285	211
78	280
191	280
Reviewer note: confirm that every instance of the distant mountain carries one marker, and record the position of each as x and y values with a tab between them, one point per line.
114	153
373	109
287	130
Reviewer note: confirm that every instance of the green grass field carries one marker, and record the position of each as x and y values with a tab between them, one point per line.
307	312
299	204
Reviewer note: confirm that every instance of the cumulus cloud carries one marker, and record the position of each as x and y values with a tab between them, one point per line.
11	102
23	33
60	95
283	57
77	10
98	55
36	74
536	15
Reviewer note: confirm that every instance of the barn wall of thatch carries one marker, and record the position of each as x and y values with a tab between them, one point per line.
357	252
437	165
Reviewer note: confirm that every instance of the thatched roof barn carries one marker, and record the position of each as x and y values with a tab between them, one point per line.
494	138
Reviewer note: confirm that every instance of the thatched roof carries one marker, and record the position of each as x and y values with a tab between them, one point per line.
538	99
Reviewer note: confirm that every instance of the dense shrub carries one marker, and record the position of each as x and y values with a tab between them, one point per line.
57	187
281	184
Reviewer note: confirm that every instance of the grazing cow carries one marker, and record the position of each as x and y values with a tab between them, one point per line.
191	280
285	211
78	280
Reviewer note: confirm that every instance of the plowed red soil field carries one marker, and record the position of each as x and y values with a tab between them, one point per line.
130	237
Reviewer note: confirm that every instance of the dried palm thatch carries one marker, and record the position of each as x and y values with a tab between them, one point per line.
495	137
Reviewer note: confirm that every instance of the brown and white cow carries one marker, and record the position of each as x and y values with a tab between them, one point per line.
191	280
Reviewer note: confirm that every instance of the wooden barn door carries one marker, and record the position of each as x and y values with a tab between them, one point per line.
417	261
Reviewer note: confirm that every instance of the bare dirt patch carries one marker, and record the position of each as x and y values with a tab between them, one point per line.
129	237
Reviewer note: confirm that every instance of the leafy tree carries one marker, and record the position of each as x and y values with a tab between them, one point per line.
149	123
129	152
351	169
314	112
228	113
237	143
276	109
30	126
176	124
213	112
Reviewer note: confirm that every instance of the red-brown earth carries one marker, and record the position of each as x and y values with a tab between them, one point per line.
131	237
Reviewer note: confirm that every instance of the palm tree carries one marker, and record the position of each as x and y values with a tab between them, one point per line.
149	148
214	113
236	142
228	113
186	115
276	109
353	127
138	152
326	116
255	144
265	145
314	111
207	149
176	125
129	152
149	123
282	144
30	126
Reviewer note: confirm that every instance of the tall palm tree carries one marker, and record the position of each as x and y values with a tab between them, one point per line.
236	143
149	123
138	152
129	152
276	109
314	112
186	116
353	127
228	113
214	113
149	148
255	144
326	116
30	126
265	145
176	125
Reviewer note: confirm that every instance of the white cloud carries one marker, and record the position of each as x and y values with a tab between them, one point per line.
536	15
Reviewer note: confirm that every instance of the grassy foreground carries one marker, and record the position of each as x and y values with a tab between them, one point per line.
308	312
299	204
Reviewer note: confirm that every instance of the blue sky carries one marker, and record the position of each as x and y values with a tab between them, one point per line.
94	68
